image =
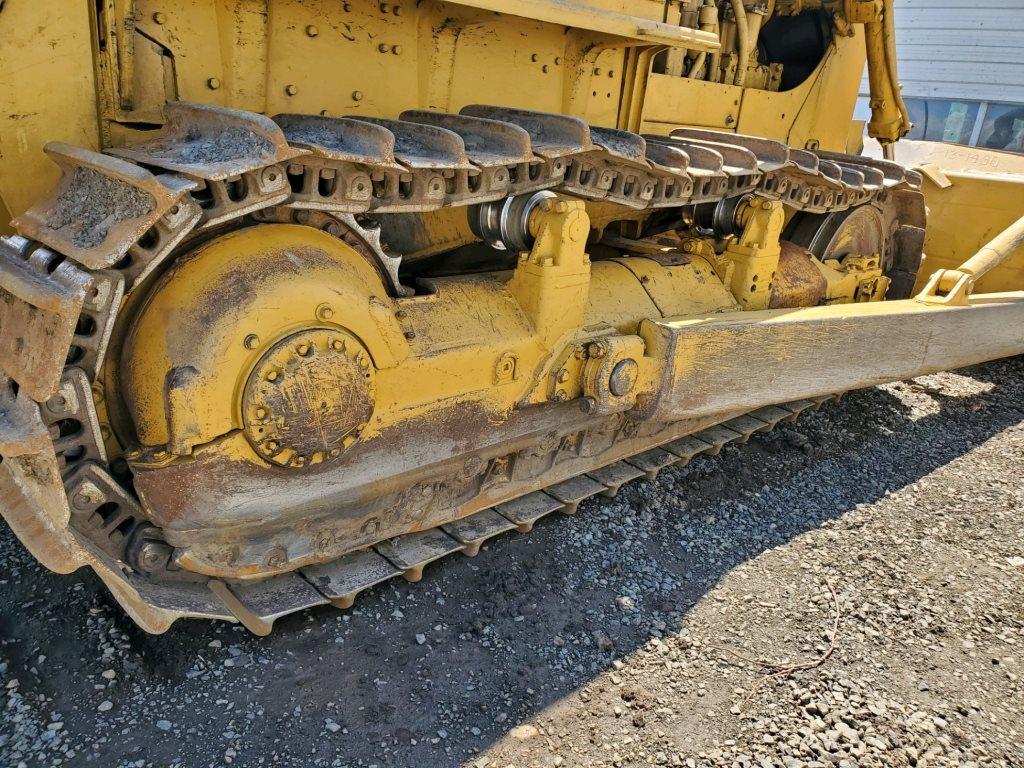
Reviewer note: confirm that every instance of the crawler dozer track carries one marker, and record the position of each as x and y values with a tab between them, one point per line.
84	486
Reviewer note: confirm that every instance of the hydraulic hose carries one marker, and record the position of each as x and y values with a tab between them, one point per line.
742	41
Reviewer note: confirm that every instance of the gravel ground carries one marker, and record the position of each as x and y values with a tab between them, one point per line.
846	591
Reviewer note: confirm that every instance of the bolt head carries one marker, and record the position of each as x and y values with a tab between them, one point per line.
291	90
623	378
213	83
357	95
159	18
312	30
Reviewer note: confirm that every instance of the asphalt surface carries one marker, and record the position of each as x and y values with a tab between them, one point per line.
845	591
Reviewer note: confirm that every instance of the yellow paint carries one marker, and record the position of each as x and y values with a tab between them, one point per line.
755	253
973	209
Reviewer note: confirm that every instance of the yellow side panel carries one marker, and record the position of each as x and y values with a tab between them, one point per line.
672	102
818	111
965	216
47	93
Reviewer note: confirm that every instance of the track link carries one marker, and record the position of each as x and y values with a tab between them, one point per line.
257	604
117	219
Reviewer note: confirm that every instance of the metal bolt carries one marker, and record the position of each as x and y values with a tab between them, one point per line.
251	341
588	405
346	7
410	334
312	31
291	90
383	47
302	349
623	377
261	413
544	68
384	8
338	345
324	312
159	18
213	83
357	95
558	60
396	49
401	314
152	555
597	70
272	445
563	376
271	375
397	10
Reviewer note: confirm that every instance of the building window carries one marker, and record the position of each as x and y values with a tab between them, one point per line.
942	120
973	123
1003	128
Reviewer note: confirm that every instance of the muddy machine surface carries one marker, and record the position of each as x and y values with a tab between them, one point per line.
301	296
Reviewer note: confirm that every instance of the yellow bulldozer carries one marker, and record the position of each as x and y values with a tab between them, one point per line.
298	296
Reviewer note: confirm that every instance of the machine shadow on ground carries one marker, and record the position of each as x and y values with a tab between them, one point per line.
426	674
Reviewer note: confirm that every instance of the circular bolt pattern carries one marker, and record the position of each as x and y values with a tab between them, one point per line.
308	398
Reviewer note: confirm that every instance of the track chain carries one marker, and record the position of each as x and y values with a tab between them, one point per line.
257	604
209	166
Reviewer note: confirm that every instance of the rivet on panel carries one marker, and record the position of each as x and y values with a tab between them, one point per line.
357	95
312	30
213	83
383	48
291	90
396	49
251	341
324	312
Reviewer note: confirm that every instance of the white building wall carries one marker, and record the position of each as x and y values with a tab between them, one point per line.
961	49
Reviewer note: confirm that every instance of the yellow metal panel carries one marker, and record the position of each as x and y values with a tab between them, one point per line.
362	59
47	93
817	112
673	102
749	359
520	63
965	216
190	30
